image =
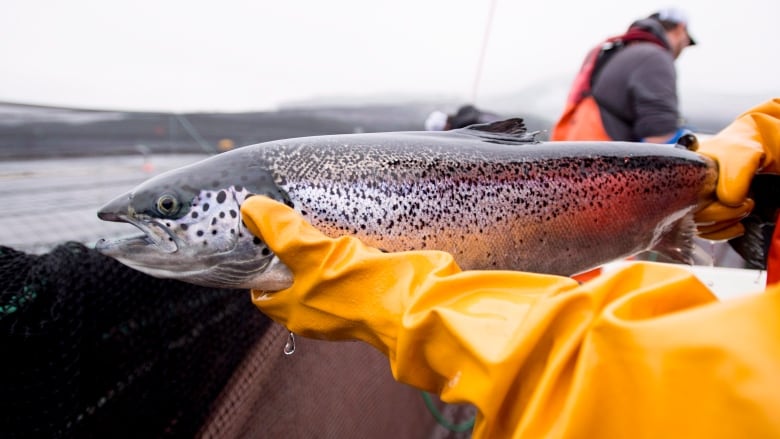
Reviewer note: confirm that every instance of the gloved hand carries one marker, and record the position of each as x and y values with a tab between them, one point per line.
536	353
343	289
749	145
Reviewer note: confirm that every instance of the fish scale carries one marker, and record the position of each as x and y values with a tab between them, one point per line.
491	195
503	200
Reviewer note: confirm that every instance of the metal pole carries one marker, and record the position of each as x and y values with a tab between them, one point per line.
485	38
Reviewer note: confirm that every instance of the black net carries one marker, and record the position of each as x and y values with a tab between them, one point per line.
92	348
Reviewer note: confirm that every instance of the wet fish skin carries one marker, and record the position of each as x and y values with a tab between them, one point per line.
491	195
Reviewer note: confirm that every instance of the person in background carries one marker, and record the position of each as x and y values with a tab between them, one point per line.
465	116
643	351
626	89
437	121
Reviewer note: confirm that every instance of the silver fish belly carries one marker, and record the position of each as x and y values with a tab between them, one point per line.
491	195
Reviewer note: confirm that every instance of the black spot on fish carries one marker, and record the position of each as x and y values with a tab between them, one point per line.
213	232
221	197
266	252
222	214
205	243
194	214
233	213
206	207
200	232
256	240
213	221
232	231
184	227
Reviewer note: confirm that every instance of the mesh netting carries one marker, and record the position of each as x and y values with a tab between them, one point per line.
91	348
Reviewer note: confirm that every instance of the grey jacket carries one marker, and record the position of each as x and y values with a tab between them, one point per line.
637	89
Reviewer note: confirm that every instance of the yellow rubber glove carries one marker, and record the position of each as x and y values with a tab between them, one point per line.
749	145
642	352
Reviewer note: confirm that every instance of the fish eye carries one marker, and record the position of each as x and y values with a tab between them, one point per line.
168	205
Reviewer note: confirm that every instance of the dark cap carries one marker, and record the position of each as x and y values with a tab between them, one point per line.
674	16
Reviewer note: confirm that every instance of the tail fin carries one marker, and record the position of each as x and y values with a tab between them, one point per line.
677	243
753	246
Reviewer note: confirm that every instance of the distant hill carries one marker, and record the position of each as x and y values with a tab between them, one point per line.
33	131
37	131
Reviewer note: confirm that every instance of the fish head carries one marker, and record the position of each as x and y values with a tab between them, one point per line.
193	231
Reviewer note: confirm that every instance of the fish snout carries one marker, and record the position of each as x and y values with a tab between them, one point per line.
114	209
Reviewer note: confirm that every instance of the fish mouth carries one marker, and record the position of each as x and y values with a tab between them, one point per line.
155	234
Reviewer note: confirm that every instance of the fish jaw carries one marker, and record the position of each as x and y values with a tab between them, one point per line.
155	233
157	252
265	273
243	267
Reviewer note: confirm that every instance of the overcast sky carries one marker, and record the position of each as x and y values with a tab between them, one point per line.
231	55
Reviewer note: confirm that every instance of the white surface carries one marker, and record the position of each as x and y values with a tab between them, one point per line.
47	202
725	283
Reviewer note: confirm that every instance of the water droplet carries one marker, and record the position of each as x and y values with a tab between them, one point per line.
759	278
289	347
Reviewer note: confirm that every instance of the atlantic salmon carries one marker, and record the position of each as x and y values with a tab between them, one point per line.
492	195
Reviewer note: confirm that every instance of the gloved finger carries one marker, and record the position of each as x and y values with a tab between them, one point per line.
733	231
277	224
734	178
738	161
715	227
298	244
718	212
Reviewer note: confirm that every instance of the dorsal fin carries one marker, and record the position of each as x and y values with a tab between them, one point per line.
514	125
503	131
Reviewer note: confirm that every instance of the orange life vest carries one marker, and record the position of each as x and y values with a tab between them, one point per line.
581	119
773	259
